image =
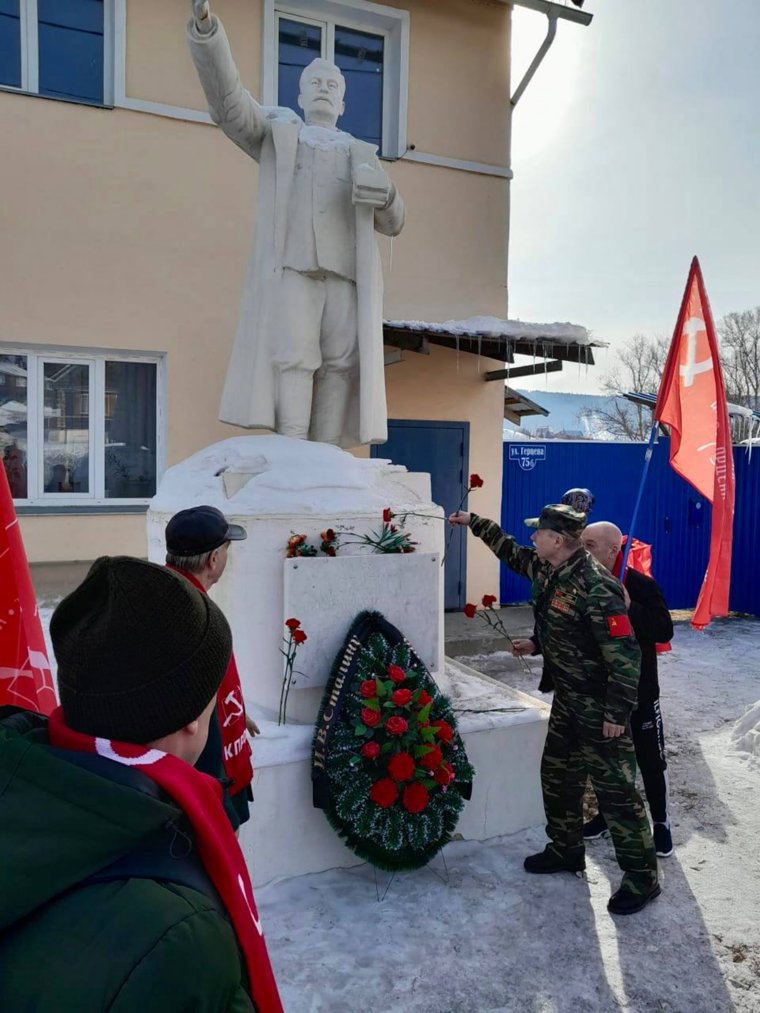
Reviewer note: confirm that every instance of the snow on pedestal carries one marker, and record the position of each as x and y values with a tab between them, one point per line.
275	487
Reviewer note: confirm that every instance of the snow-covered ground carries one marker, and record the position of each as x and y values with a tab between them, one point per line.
493	938
477	934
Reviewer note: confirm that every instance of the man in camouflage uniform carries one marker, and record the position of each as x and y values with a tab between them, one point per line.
586	636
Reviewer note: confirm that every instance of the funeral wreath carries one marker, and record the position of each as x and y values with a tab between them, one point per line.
388	764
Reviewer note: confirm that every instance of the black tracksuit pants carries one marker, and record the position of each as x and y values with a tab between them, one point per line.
649	743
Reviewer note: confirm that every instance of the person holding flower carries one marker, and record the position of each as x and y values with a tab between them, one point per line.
586	636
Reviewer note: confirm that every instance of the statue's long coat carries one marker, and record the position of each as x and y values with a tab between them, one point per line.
270	136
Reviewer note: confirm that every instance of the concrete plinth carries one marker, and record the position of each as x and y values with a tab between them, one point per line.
276	487
503	731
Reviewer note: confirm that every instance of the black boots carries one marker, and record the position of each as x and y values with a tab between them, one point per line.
550	860
624	902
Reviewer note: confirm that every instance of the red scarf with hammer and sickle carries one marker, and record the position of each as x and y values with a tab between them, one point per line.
200	799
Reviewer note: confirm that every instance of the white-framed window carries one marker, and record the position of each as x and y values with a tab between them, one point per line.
79	428
370	44
58	48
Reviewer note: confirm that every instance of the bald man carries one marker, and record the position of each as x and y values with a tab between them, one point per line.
652	625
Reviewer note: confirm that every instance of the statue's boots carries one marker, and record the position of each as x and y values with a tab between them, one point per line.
293	406
333	389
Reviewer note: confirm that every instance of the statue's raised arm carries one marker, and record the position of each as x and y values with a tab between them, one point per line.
231	106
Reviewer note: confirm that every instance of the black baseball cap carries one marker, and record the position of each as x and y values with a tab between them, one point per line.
200	529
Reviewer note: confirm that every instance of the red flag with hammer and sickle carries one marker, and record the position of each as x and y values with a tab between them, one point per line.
25	676
692	402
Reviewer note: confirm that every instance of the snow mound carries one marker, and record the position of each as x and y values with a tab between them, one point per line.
746	734
276	474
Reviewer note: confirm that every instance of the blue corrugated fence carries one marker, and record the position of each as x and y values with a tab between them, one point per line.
673	518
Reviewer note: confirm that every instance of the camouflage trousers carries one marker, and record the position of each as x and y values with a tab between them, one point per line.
575	749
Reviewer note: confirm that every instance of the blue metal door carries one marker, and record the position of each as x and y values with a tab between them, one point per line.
442	449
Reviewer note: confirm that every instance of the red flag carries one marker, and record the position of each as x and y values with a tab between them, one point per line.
692	401
25	676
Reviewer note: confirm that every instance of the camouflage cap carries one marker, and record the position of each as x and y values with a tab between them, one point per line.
560	518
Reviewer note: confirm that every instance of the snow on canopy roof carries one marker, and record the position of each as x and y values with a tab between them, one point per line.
494	327
734	410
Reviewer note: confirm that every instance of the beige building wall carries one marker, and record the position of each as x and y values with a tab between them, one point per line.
131	231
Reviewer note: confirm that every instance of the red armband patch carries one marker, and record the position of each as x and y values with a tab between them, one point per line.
619	626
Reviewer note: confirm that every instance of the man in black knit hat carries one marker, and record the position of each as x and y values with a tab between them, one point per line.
122	885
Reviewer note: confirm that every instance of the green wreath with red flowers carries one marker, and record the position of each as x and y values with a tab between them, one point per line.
388	764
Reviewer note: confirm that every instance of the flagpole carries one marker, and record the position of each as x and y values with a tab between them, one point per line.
647	459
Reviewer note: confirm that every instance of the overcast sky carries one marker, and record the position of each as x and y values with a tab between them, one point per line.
636	146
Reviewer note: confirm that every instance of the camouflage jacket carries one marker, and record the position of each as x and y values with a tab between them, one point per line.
582	622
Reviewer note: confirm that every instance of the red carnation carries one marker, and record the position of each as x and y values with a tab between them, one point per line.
368	689
295	540
370	717
470	610
401	767
395	725
424	698
445	774
396	673
476	482
299	636
489	600
387	515
370	750
443	730
415	798
330	551
384	793
328	536
401	697
432	759
293	624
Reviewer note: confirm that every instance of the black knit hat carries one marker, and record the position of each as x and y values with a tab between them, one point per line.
140	651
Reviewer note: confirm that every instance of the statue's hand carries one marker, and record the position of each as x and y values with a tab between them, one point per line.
202	17
371	186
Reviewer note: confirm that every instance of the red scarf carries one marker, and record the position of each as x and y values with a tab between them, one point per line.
200	798
640	559
230	710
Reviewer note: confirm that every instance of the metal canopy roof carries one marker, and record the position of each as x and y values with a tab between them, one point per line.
416	337
650	400
517	406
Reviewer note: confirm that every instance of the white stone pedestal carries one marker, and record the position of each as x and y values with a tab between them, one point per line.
276	487
503	731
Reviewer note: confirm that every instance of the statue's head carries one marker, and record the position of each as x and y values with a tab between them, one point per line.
322	90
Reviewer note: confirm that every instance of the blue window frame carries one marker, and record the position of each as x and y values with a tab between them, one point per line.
10	43
57	48
360	56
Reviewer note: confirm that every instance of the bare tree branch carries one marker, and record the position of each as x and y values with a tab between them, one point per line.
641	364
740	353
